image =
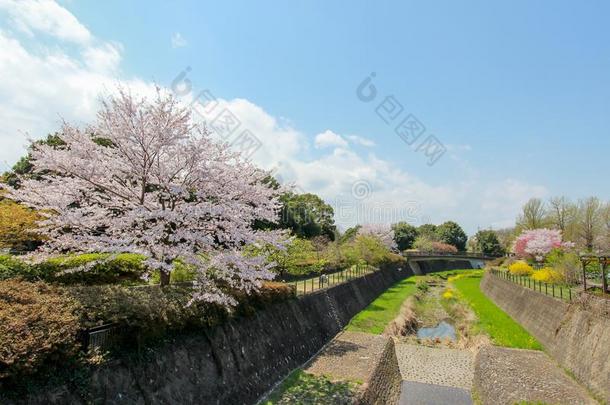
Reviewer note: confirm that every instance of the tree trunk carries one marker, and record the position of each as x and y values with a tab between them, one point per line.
165	276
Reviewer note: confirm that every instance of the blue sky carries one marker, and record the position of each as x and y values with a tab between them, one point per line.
517	92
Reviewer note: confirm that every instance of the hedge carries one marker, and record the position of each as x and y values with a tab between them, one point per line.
100	268
38	323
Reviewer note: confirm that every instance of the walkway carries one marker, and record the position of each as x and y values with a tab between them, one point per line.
434	376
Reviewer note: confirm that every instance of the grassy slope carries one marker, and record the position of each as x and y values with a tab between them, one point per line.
503	330
375	317
303	388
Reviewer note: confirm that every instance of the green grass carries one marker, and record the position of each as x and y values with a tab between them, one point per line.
502	329
303	388
375	317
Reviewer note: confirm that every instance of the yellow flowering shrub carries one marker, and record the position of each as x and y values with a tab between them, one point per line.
451	279
520	268
448	294
547	275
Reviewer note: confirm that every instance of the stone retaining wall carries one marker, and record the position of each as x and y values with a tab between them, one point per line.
576	334
383	385
234	363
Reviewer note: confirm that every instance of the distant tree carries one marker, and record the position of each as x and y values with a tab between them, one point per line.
349	234
383	232
404	235
590	221
562	213
487	242
506	236
451	233
307	215
24	167
423	244
537	243
427	231
533	215
606	225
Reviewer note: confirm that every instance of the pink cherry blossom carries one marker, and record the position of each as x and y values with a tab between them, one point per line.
537	243
145	179
383	232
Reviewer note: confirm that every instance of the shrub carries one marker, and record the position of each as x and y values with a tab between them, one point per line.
565	263
93	268
448	294
12	267
424	244
37	323
367	248
443	247
547	275
151	311
422	286
182	273
18	226
520	268
89	268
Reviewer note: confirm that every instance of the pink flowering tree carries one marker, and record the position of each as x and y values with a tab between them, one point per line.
383	232
537	243
144	179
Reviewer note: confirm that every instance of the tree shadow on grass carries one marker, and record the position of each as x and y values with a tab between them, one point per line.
339	348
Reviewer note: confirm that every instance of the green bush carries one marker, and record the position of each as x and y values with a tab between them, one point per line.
12	267
567	264
38	324
99	268
182	273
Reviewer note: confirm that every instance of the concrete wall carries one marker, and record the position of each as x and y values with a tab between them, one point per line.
577	334
234	363
425	266
383	385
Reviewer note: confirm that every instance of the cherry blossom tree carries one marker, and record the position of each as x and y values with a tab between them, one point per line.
383	232
145	179
537	243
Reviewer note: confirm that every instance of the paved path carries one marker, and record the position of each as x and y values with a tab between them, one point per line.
435	375
429	394
349	356
508	376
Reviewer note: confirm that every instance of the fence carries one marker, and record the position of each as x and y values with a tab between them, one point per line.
328	280
556	291
460	255
101	337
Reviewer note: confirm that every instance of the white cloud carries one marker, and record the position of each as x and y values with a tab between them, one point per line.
45	16
103	58
178	40
48	84
329	139
359	140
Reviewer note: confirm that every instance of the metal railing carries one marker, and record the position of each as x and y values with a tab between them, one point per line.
329	280
101	337
450	254
550	289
